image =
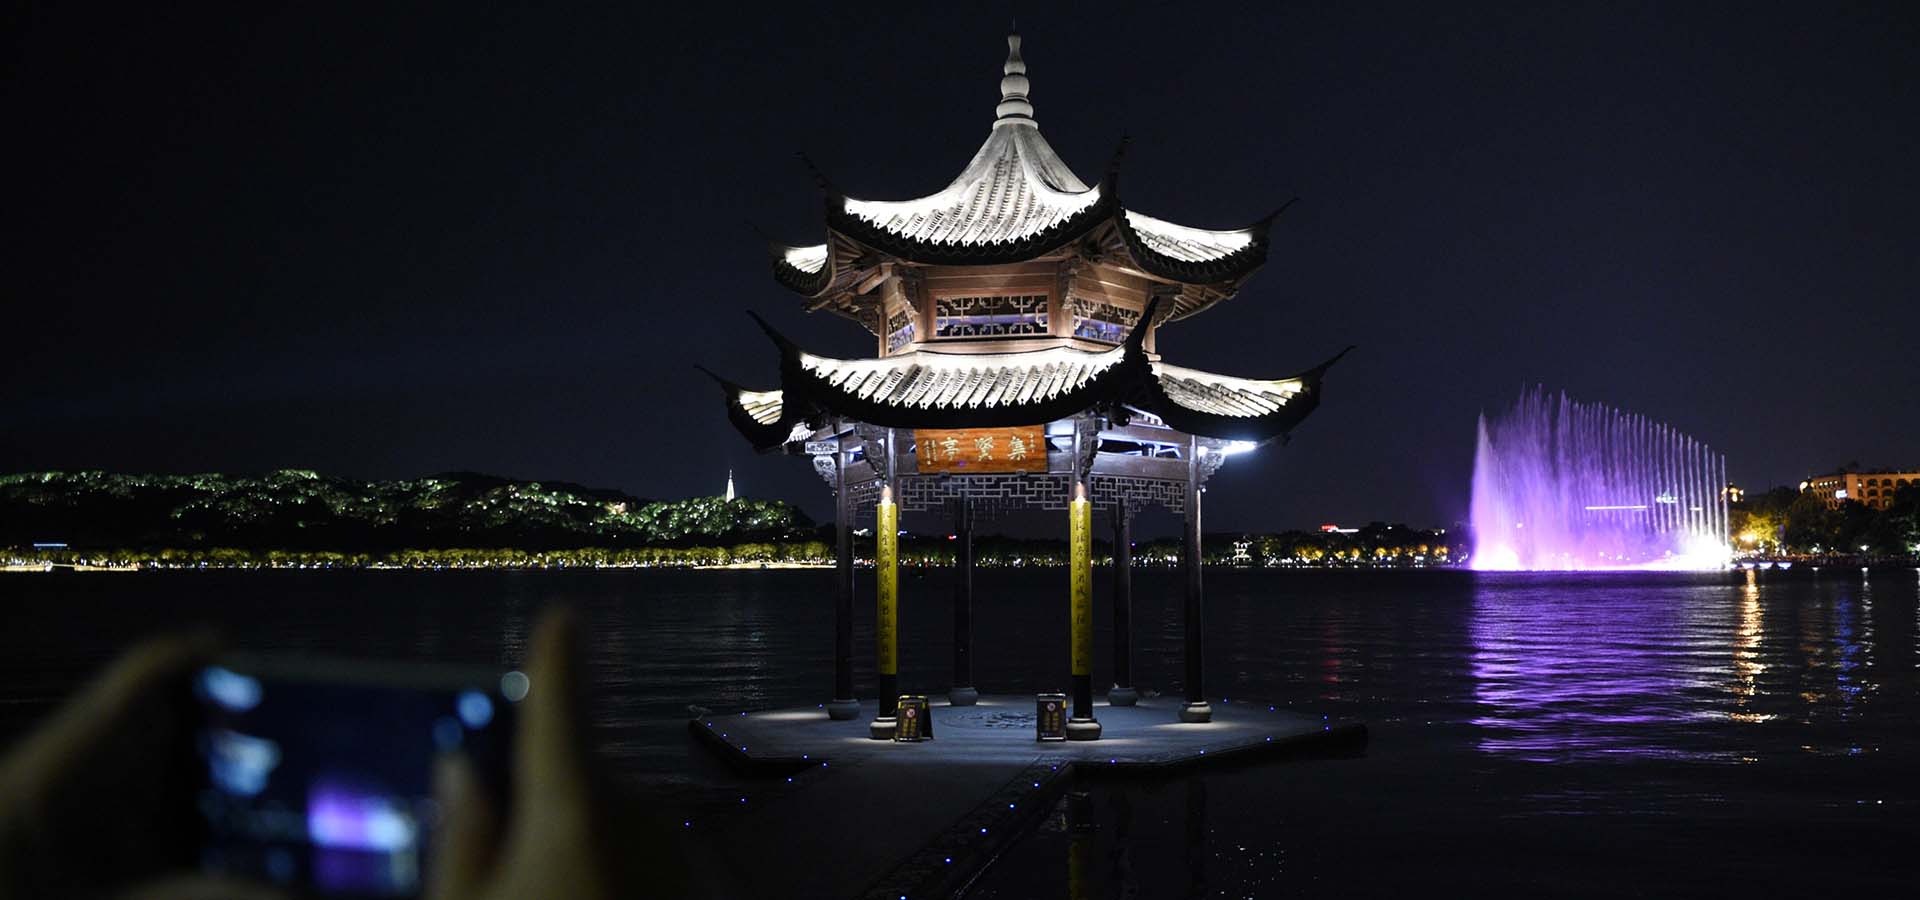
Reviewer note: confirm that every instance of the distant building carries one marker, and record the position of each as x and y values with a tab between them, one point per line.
1875	489
1733	493
729	485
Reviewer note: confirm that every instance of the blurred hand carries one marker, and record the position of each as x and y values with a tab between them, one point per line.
551	845
100	799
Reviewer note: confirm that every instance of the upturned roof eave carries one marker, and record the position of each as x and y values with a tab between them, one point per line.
1130	378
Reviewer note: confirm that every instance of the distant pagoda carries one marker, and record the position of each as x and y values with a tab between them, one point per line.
1015	315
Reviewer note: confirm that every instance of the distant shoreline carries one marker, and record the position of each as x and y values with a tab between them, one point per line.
909	566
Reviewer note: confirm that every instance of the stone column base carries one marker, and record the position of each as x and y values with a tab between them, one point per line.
1122	696
963	696
842	710
1196	712
1083	730
882	729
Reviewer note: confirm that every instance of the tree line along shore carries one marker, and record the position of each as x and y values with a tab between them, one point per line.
299	519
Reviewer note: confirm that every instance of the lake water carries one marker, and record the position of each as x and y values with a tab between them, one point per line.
1648	735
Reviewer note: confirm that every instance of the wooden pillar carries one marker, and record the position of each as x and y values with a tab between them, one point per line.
1122	693
886	622
1196	708
843	705
1081	725
963	692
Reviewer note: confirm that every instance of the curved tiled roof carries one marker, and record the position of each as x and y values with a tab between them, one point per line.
1193	255
1185	244
931	389
987	390
1225	395
1015	200
926	379
1015	190
763	407
804	270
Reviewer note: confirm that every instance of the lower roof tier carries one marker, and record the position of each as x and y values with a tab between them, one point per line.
932	389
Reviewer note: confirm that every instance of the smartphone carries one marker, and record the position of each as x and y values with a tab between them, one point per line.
316	775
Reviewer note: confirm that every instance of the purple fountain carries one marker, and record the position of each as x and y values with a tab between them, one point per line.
1564	485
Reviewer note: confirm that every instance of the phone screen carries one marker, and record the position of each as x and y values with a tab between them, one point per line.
318	775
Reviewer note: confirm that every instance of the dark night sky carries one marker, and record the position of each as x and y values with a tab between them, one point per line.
384	243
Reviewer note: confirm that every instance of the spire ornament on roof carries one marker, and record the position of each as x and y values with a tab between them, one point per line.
1014	108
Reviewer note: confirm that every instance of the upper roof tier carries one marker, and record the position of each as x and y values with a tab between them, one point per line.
1017	200
1015	190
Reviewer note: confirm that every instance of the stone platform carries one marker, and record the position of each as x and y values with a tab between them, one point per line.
849	816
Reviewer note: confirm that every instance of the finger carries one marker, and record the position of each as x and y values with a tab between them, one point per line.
203	887
466	842
550	777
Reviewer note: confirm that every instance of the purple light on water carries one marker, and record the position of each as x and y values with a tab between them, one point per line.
1564	485
1586	678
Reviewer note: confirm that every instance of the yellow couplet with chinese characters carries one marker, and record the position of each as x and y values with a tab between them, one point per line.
886	555
1080	562
1022	449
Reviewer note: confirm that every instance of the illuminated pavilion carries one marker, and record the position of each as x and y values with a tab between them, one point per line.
1015	314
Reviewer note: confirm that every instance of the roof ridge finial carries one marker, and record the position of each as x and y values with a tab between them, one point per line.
1014	108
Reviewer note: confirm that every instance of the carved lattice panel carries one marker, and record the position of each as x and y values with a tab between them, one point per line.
990	316
988	493
1138	493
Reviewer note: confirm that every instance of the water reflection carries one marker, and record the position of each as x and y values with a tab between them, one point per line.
1747	667
1196	836
1852	646
1104	820
1468	680
1587	671
1122	873
1593	673
1716	732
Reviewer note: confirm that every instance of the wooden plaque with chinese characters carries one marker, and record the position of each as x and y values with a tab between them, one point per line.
964	450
